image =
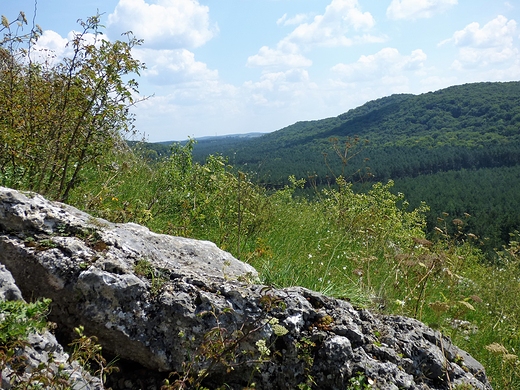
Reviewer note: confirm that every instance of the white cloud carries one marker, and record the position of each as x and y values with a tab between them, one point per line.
277	89
341	17
387	64
177	115
417	9
298	19
169	23
273	80
497	33
277	99
267	57
342	24
165	67
494	43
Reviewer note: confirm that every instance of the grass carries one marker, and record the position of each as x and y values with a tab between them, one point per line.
368	248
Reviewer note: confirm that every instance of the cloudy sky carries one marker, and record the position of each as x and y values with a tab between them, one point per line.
217	67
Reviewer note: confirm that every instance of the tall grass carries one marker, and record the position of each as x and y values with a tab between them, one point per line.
367	248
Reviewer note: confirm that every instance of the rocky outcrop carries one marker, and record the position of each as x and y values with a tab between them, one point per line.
41	358
170	304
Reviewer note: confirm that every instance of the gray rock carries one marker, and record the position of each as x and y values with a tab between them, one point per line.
41	356
9	291
172	304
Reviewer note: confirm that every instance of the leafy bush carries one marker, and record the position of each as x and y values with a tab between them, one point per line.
177	196
58	116
18	319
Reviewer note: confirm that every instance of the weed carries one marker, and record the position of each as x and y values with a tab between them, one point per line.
305	348
222	349
45	244
359	382
145	268
88	353
18	320
324	323
463	386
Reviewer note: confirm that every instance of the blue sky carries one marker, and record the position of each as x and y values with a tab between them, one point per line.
219	67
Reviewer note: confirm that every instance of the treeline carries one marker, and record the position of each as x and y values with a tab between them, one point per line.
468	126
445	141
486	200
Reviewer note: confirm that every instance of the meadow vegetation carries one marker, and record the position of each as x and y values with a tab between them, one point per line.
458	149
369	248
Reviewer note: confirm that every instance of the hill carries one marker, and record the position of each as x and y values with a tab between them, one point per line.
204	145
469	126
435	147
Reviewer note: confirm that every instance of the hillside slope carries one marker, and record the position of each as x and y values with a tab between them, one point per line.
457	149
468	126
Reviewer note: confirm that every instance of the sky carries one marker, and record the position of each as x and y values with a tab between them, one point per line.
219	67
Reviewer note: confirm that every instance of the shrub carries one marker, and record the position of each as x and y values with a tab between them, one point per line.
58	116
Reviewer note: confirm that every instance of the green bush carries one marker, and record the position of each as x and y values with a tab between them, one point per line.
18	319
78	105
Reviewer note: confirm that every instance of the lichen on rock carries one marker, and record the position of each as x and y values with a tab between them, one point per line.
171	304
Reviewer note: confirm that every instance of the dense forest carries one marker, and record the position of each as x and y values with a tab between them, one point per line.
457	149
469	126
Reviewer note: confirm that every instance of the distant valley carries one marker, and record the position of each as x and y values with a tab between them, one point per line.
457	149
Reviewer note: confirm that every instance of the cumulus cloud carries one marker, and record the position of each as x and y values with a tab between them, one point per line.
165	67
297	19
177	115
275	80
417	9
387	64
341	17
267	57
493	43
168	24
498	32
278	89
342	24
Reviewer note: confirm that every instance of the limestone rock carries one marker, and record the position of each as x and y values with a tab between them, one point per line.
172	304
9	291
41	357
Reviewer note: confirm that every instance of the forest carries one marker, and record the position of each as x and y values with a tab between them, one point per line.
334	205
457	149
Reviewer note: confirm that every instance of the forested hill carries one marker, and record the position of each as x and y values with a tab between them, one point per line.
469	126
458	149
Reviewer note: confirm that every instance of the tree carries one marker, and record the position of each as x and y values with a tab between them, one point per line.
57	116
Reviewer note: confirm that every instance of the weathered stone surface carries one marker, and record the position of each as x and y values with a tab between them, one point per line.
42	355
155	300
9	291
